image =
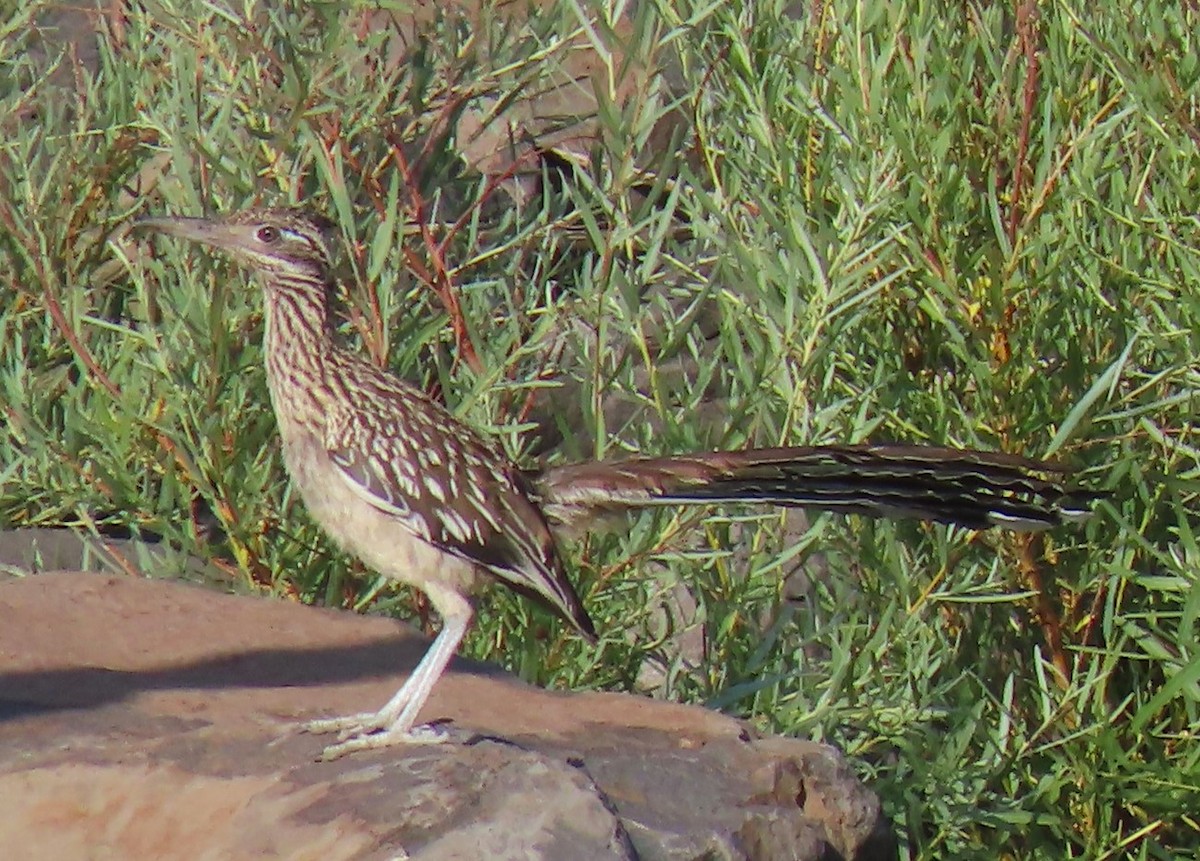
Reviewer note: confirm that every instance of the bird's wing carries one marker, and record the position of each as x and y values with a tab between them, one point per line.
440	480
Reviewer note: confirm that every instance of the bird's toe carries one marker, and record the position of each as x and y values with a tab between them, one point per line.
380	739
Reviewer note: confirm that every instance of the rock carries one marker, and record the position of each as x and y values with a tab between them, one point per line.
147	719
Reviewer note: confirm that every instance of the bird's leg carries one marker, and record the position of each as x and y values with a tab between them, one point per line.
393	724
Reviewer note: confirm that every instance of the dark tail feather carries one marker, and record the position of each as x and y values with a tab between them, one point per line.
968	488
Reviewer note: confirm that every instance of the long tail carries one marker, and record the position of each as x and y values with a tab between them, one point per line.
970	488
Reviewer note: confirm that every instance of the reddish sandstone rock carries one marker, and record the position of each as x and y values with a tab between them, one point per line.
145	719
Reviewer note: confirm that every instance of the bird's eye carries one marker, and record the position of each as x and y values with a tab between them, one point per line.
268	234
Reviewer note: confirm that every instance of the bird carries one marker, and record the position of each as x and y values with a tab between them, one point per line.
422	498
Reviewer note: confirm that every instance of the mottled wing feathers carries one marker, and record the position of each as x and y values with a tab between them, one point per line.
413	461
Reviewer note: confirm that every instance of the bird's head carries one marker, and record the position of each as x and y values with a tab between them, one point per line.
273	243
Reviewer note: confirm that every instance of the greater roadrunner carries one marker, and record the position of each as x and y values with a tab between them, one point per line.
422	498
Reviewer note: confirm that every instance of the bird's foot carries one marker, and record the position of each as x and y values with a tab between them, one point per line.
371	731
380	739
347	726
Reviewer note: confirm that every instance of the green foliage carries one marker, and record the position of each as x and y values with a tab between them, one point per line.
964	224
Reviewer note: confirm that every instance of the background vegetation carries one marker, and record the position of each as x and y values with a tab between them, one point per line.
959	223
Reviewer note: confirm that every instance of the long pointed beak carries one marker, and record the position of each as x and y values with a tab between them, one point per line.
203	230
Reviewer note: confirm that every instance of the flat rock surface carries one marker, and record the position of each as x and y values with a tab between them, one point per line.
144	719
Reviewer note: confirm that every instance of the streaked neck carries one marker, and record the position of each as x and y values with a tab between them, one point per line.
299	339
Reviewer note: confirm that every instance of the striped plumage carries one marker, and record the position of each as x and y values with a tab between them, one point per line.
968	488
422	498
